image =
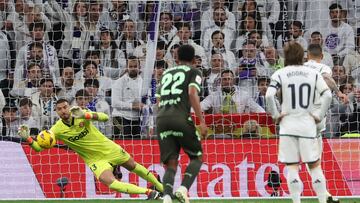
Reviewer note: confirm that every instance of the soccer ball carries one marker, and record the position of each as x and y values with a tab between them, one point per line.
46	139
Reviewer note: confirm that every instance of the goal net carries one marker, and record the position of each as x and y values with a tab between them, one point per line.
109	56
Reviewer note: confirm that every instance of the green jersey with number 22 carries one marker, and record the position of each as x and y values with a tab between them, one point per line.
173	91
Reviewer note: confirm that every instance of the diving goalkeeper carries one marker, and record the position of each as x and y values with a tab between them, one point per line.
76	130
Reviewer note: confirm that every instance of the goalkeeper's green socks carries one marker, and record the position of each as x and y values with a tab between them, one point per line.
191	172
147	175
128	188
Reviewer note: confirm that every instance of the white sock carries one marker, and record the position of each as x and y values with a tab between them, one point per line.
294	183
167	199
319	183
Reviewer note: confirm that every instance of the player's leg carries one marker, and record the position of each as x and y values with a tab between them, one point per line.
169	150
104	173
143	172
289	154
191	144
310	154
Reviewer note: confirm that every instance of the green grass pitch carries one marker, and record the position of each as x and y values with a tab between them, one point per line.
347	200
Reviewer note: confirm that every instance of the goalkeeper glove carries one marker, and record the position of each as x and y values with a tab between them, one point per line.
77	112
24	133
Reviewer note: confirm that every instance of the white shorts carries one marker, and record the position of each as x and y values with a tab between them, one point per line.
295	149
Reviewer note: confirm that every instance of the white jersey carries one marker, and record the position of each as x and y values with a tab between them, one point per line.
321	68
298	86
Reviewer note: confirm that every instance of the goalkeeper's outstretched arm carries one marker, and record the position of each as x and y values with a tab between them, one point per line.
77	112
24	133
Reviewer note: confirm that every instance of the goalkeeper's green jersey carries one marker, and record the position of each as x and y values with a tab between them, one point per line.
84	138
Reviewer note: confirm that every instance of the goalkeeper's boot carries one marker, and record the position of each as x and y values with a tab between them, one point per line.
154	195
331	199
181	194
167	199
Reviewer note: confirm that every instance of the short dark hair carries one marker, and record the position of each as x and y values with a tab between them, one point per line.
186	53
44	80
263	78
92	82
34	25
82	93
161	64
32	65
316	33
9	107
61	100
294	54
217	32
180	25
25	101
89	62
161	45
297	24
335	6
227	71
167	13
314	50
92	53
35	44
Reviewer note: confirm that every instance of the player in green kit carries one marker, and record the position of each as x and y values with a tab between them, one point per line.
178	92
76	130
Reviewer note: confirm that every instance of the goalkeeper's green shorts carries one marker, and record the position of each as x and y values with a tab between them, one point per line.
109	162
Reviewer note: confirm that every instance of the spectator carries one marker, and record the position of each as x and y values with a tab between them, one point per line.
229	99
93	16
172	58
69	85
183	37
251	129
339	36
262	85
76	35
352	62
5	62
273	60
316	38
114	17
26	88
128	41
126	101
40	52
94	56
110	55
217	38
160	50
247	24
91	71
269	9
6	87
167	30
82	99
97	103
220	23
9	124
248	69
296	34
339	74
213	79
351	121
26	118
207	18
44	103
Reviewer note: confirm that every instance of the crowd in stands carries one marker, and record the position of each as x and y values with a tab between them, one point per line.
93	53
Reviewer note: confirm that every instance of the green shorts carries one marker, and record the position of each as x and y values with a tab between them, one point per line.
174	134
109	162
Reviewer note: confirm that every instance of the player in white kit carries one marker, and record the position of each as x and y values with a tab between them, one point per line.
314	61
298	130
